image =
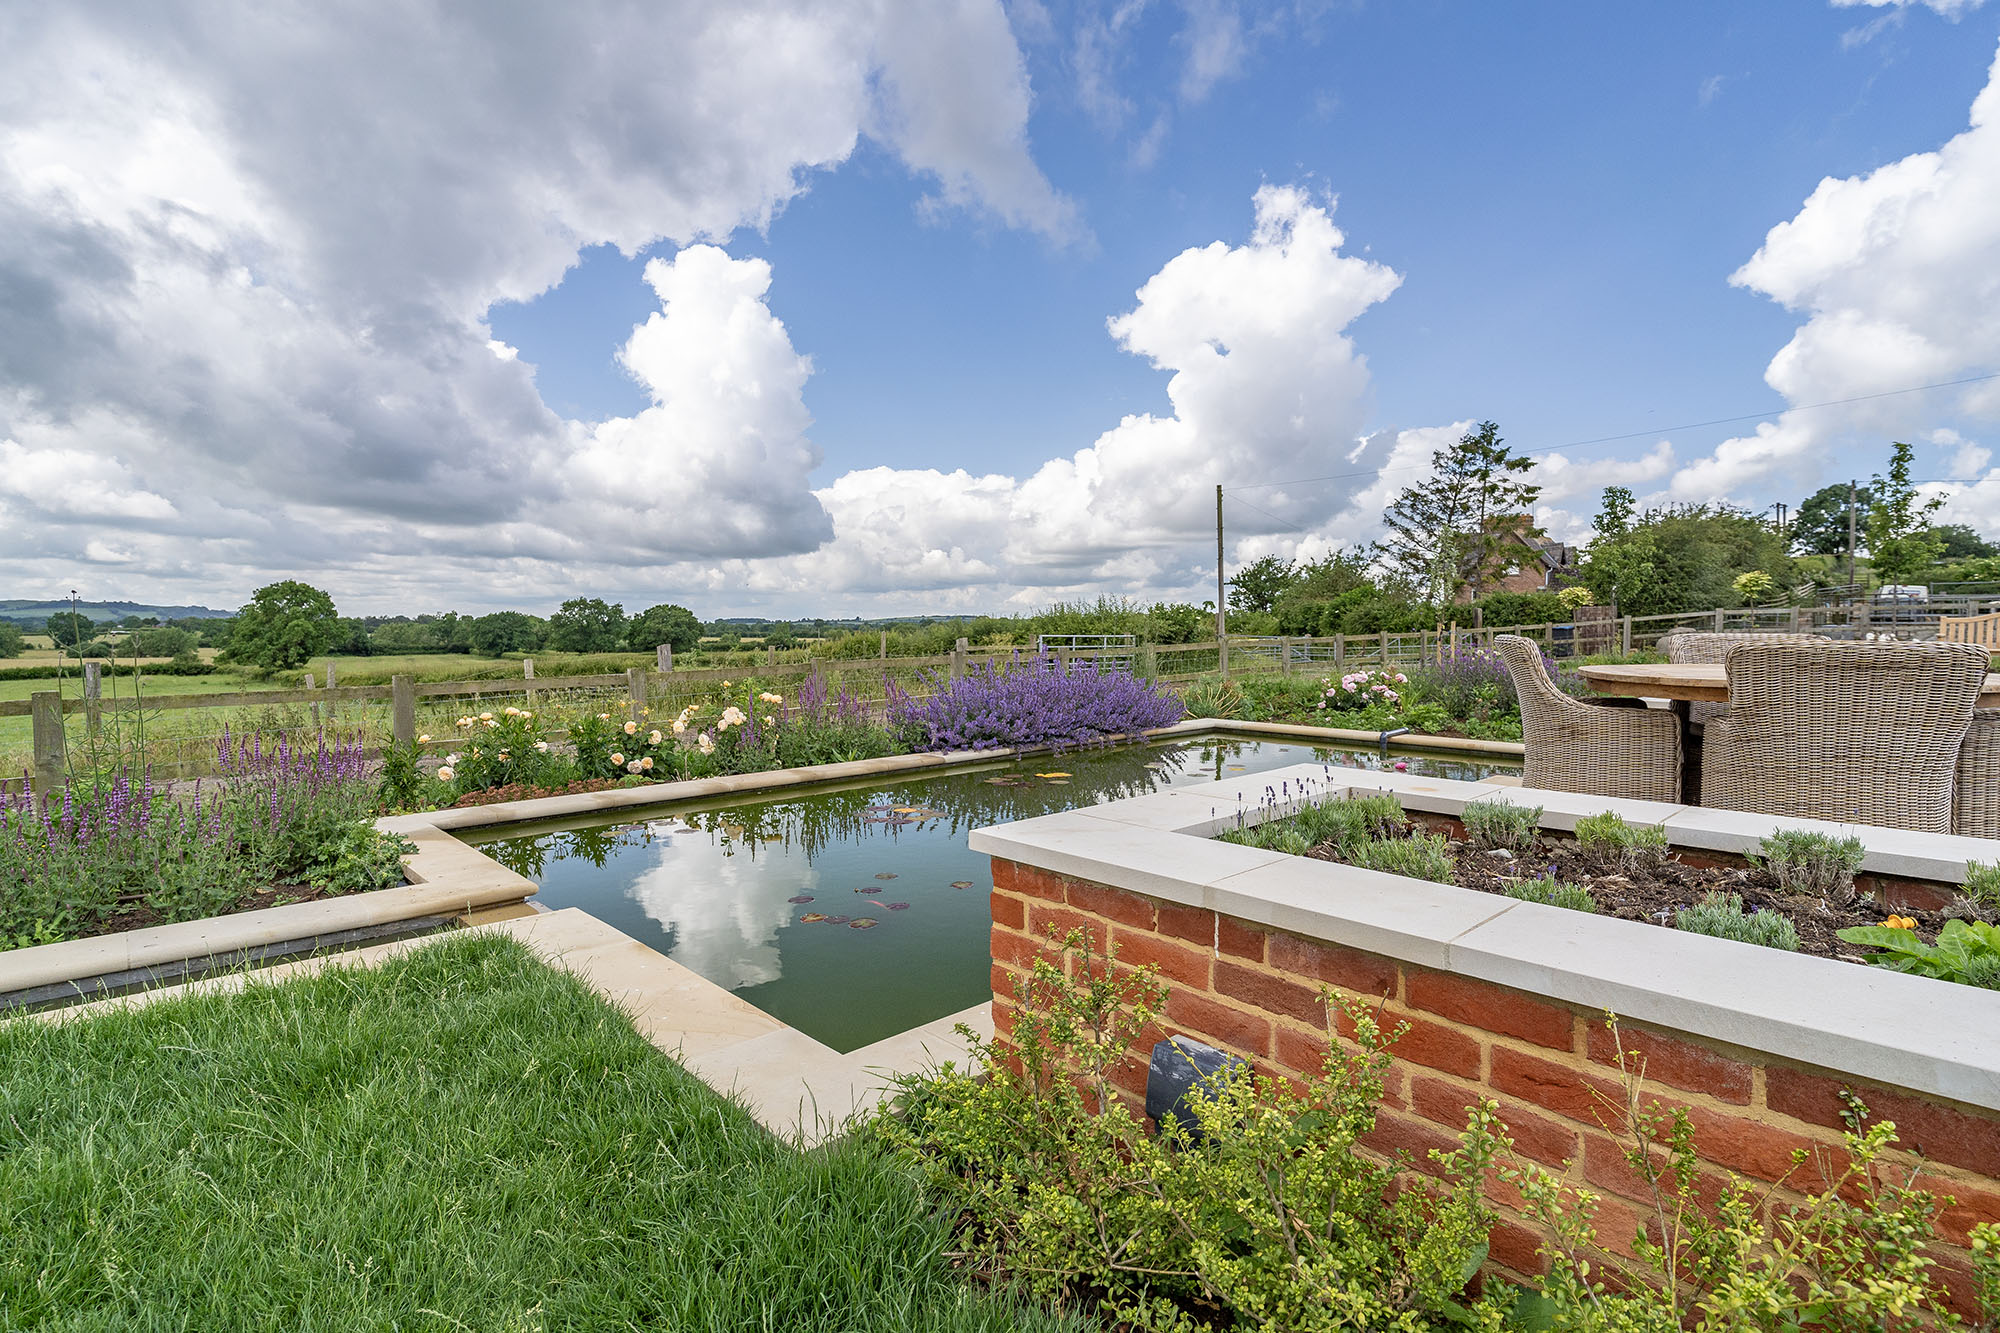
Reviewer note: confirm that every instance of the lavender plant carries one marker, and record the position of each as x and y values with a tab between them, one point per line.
1034	701
102	845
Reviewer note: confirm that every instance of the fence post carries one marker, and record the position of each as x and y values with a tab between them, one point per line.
885	647
663	657
1149	662
1625	635
958	660
635	686
329	676
1795	620
528	673
93	695
1285	656
46	708
1718	620
312	687
771	658
1385	650
403	709
1454	639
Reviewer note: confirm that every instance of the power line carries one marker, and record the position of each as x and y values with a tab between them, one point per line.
1268	514
1631	435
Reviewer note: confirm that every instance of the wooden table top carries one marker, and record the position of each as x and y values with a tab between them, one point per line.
1702	682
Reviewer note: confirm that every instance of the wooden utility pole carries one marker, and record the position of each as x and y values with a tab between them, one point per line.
1221	617
1851	495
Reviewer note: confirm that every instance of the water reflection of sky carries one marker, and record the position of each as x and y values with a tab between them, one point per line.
713	888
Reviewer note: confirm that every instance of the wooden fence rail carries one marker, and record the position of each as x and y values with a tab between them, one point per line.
1167	662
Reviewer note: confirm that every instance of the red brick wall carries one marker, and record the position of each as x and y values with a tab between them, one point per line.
1550	1067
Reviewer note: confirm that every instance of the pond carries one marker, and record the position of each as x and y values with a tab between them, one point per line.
857	912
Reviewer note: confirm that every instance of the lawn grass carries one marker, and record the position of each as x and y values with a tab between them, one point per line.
461	1139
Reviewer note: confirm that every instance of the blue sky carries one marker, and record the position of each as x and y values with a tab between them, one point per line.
935	305
1566	189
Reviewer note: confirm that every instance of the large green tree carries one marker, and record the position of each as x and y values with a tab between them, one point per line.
285	625
1902	545
1819	525
1959	542
506	632
1258	585
1459	527
587	625
70	628
674	626
12	641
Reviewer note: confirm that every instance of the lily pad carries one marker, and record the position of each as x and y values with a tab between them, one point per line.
897	907
1052	775
837	920
961	884
862	923
801	898
885	874
813	916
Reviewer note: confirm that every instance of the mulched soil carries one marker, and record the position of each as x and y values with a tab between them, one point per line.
1654	894
522	792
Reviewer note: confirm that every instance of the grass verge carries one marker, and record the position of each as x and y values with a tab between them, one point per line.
462	1138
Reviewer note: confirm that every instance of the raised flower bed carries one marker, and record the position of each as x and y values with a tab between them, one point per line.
1506	1000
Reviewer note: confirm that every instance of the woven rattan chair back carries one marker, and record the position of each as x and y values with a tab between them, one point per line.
1591	748
1975	798
1710	647
1865	733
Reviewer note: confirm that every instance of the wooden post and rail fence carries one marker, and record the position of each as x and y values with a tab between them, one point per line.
1595	631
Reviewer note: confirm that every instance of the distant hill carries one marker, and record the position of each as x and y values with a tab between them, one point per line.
36	610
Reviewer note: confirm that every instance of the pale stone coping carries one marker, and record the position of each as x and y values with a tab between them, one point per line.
798	1088
446	878
1413	740
1912	1032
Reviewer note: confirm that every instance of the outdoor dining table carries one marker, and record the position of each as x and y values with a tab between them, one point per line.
1683	683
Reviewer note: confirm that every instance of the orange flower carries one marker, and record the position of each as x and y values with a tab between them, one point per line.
1900	922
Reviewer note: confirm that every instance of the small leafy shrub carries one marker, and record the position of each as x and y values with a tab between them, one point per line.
1613	841
401	784
1212	696
1347	823
1982	884
1813	863
1502	825
1419	856
1034	702
1967	952
500	749
1265	1211
1552	892
364	858
1722	915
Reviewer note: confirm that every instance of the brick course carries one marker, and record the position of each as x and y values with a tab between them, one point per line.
1550	1067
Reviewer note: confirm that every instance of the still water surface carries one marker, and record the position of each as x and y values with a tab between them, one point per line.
856	913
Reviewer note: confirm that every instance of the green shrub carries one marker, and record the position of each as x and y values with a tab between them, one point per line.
1634	846
1502	824
1967	952
1212	696
1090	1209
402	781
1722	915
1419	856
1814	863
363	858
1552	892
1982	883
1347	823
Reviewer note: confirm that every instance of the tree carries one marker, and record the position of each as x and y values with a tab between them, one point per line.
1258	585
587	625
1901	543
12	641
672	625
1963	543
1614	514
1461	526
1819	527
166	642
285	625
506	632
1684	558
70	628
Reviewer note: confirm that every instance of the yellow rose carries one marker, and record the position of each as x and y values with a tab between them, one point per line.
631	727
617	758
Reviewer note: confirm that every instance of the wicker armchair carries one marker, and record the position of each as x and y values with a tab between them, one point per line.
1590	748
1867	733
1975	797
1713	647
